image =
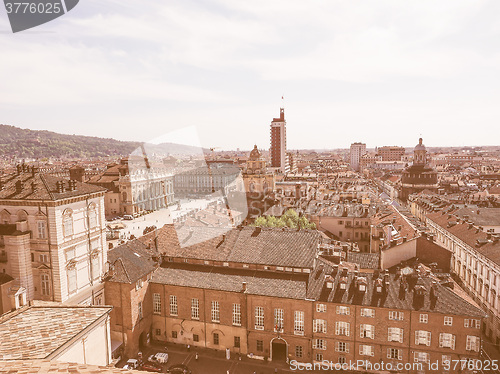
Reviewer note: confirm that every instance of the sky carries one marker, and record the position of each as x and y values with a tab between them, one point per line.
384	72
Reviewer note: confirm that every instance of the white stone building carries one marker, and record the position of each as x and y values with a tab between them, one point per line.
52	239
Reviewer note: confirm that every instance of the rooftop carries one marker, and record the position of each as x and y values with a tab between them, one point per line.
37	186
226	279
250	245
396	291
35	332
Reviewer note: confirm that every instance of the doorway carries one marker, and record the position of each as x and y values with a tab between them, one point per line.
278	350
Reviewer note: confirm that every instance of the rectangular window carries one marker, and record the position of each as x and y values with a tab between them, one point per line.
278	320
215	311
45	284
319	357
260	345
395	334
96	268
92	218
173	305
342	347
72	285
68	225
237	314
196	338
394	354
446	340
259	318
299	351
396	316
237	342
367	331
216	338
174	334
366	350
158	332
41	229
421	357
156	303
423	337
321	308
472	343
319	325
448	321
367	312
139	309
195	309
342	328
298	323
424	318
319	344
343	310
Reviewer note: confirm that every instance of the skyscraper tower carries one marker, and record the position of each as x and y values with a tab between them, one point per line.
278	142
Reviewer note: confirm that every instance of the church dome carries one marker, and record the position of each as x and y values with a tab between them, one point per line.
420	146
255	154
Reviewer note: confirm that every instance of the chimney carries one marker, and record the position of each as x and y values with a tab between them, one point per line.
77	173
19	186
60	186
34	171
19	168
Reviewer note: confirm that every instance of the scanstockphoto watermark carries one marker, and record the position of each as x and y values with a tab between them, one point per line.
27	14
362	365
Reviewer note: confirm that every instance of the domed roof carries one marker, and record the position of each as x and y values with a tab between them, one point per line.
255	154
420	146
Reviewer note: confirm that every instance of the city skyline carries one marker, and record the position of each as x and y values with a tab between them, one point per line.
136	71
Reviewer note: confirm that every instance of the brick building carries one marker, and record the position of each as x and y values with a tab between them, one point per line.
266	293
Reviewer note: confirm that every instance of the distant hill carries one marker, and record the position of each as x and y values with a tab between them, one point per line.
25	143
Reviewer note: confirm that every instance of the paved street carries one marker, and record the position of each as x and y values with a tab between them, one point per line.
215	362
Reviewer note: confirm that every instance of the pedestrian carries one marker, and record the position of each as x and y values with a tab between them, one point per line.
196	356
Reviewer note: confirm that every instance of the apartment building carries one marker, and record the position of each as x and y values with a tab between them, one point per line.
475	260
281	302
52	239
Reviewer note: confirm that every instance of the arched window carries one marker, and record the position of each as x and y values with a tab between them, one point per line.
68	222
4	217
92	213
22	215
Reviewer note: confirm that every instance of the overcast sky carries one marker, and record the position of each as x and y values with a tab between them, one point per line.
382	72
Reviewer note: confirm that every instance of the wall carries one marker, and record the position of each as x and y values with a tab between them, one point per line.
394	255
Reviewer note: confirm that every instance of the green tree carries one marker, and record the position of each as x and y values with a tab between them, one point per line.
289	219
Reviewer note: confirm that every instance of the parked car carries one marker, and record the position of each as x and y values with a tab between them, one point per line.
150	367
131	364
159	358
128	217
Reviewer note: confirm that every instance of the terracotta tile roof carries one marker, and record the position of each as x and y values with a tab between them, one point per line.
250	245
41	187
393	295
364	260
472	236
131	261
49	367
35	332
284	285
